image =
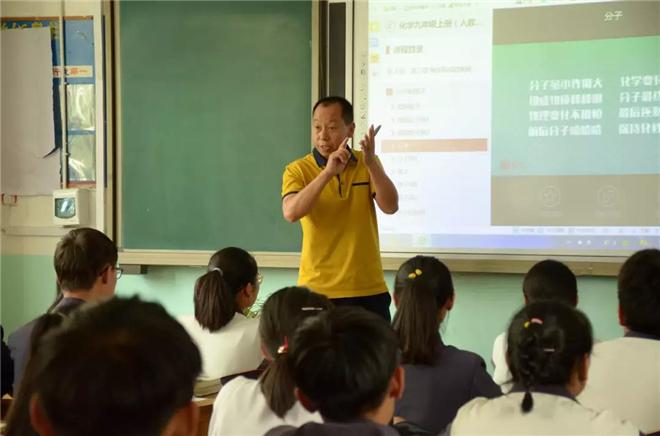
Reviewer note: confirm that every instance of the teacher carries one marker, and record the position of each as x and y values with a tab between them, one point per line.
332	192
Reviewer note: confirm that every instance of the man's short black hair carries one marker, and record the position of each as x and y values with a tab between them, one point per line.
550	280
122	367
639	292
346	107
343	361
81	255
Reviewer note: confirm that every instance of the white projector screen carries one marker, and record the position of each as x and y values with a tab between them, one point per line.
522	127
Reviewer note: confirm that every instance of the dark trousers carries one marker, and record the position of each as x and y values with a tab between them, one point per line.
378	304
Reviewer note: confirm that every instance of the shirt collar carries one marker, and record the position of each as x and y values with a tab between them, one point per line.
558	390
640	335
321	161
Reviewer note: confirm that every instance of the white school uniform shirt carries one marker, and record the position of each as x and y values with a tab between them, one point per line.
240	409
501	374
624	377
233	349
552	414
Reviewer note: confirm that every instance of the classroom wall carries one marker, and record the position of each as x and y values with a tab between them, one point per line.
484	302
28	236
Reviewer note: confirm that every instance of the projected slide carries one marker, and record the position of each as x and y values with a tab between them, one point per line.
516	126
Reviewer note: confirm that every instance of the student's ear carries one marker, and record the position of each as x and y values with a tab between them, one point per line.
38	418
622	318
184	422
583	368
526	299
450	303
264	352
305	401
397	383
105	274
244	296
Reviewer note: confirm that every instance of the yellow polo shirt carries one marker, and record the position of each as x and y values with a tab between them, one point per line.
340	251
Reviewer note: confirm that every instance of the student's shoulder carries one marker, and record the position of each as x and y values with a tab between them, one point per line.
624	344
474	409
238	387
243	325
239	383
245	321
464	358
282	430
186	320
500	341
605	421
21	335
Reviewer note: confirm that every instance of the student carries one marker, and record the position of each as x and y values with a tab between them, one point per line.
345	364
625	372
85	264
547	280
18	418
439	378
247	407
548	348
122	367
227	339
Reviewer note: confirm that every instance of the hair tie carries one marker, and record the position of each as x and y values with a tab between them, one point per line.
284	348
216	269
309	308
414	274
538	321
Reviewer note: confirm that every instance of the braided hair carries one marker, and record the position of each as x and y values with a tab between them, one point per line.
545	341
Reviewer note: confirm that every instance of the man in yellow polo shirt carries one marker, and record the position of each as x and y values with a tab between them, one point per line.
332	192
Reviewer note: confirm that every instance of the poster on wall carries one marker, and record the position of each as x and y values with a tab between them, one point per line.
27	117
79	87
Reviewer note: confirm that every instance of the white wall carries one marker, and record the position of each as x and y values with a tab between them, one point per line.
27	227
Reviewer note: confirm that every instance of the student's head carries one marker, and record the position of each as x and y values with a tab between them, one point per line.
332	121
345	364
281	315
423	293
85	261
548	343
550	280
123	367
230	285
639	292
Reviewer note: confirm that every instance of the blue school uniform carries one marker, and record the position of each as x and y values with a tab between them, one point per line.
434	393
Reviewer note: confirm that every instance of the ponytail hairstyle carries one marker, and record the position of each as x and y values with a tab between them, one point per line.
229	271
281	315
422	286
545	342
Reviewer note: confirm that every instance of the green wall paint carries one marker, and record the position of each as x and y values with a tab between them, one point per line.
484	302
28	288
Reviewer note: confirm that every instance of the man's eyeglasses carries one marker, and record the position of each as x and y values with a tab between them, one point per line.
118	272
260	278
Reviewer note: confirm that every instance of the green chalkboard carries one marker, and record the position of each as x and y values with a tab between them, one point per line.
215	101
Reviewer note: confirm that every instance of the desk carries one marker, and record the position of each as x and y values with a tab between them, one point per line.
205	405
